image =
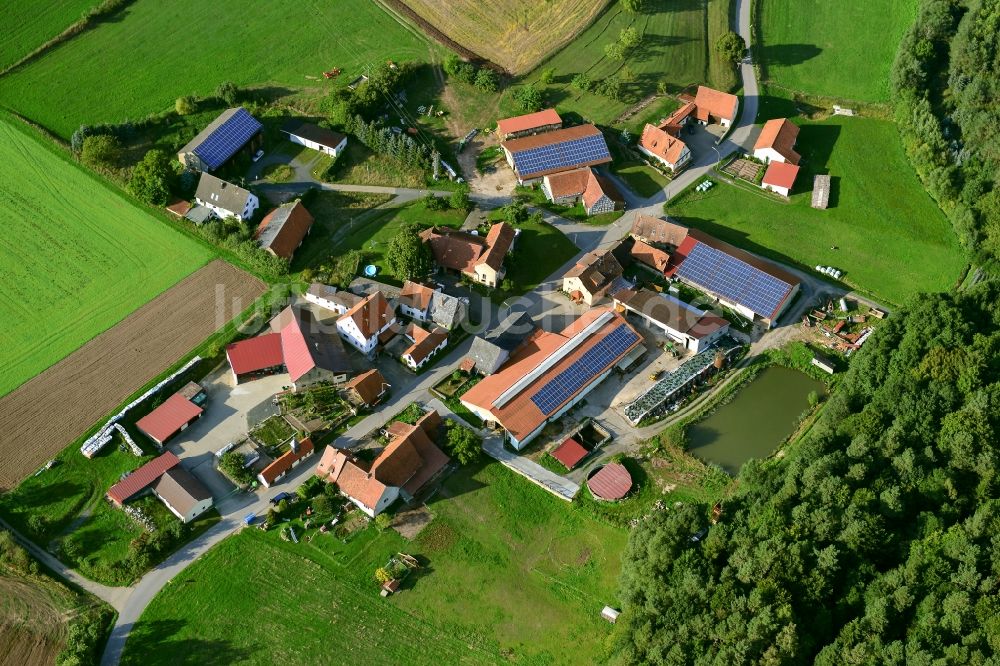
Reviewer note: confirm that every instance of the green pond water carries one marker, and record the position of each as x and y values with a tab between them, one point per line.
756	421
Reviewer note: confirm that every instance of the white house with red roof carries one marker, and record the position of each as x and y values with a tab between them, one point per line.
715	107
550	372
665	148
407	465
290	459
362	325
424	345
780	178
478	258
776	142
691	328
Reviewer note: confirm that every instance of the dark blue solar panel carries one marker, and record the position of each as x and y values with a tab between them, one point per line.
733	280
563	155
227	138
593	362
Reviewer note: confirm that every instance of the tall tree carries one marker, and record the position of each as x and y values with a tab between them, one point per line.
408	257
151	177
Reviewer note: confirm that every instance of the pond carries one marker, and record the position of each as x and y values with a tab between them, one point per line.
756	421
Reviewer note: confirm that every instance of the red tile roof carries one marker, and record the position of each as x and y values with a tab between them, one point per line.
661	144
780	174
657	230
678	116
179	207
284	462
519	415
294	222
550	138
416	296
568	183
368	385
779	135
498	242
424	343
527	122
164	421
649	255
569	453
715	103
569	157
597	187
611	482
456	250
372	314
142	478
254	354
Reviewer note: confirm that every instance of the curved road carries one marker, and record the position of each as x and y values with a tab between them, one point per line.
130	607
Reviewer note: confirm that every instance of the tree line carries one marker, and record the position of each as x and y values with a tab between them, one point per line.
946	82
873	541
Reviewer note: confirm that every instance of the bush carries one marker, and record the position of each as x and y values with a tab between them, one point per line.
460	198
731	47
433	202
528	98
185	105
322	505
228	92
101	151
37	524
383	521
463	445
582	83
232	464
487	80
150	180
283	506
547	76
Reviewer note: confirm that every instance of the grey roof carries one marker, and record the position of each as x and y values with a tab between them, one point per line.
222	194
325	291
366	287
199	214
445	310
181	489
492	348
277	220
312	132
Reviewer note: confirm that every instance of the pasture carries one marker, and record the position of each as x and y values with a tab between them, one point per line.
892	240
515	34
510	574
673	52
28	25
75	258
156	52
835	49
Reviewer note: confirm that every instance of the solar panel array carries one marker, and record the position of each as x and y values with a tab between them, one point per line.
592	363
733	280
227	138
563	155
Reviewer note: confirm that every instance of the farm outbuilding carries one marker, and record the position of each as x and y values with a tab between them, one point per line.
234	130
313	136
610	482
185	496
175	414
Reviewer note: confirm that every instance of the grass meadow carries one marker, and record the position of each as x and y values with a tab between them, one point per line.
75	257
673	51
155	52
515	33
891	238
30	24
836	49
510	574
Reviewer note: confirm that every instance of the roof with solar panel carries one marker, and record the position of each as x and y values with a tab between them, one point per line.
560	150
223	137
550	369
732	274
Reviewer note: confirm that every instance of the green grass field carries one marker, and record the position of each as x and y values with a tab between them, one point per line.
673	51
511	574
837	49
29	24
892	239
129	68
75	258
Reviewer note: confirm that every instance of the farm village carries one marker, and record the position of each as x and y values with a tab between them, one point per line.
426	331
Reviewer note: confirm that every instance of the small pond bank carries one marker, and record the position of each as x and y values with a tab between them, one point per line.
758	418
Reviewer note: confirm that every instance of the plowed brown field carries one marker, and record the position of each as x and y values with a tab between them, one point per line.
45	414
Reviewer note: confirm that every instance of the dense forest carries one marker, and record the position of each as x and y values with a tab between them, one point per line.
875	541
946	83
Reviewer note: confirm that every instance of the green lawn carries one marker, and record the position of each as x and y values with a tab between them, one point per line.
31	23
510	574
332	211
155	52
641	178
892	239
673	51
75	257
539	251
837	49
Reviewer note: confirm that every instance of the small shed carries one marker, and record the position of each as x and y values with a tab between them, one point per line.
821	192
610	614
569	453
389	586
823	363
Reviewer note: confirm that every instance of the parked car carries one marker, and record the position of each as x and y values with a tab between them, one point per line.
259	154
280	496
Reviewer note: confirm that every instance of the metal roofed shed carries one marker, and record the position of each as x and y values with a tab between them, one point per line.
821	192
223	138
569	453
142	478
610	482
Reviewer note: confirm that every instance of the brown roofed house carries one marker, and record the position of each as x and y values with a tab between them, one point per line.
282	230
715	106
368	388
593	276
297	452
658	232
185	496
478	258
362	325
669	151
776	142
650	256
530	123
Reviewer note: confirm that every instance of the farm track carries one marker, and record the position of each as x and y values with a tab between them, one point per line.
47	413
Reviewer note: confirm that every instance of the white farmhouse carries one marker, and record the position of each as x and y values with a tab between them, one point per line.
313	136
362	325
225	199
